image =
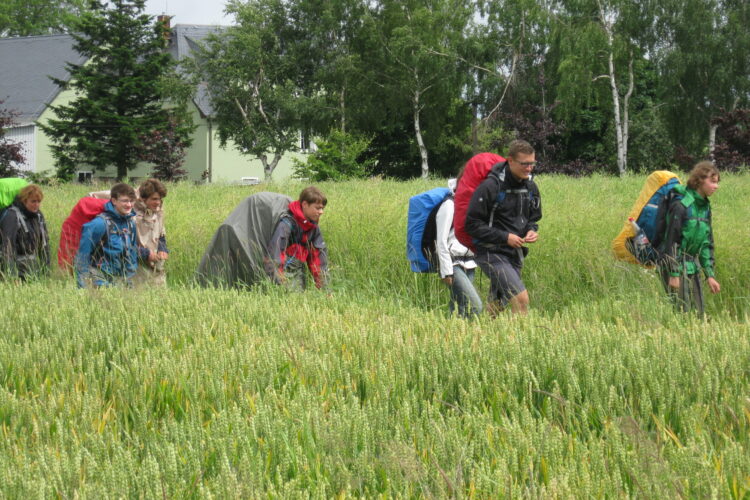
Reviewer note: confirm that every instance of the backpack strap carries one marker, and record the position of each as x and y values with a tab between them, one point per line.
19	216
501	195
296	231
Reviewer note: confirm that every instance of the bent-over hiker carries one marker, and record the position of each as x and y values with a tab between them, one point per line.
297	242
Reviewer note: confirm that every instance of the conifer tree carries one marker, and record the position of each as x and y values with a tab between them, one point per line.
124	91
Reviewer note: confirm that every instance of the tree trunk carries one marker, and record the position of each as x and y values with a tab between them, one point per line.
342	107
268	168
712	140
420	141
622	152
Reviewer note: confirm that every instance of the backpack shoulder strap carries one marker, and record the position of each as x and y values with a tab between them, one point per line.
21	219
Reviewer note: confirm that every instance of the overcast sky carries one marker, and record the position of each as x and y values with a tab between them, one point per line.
190	11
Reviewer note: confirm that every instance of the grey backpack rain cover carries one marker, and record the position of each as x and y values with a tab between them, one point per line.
236	254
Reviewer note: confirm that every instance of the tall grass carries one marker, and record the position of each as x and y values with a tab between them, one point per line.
602	391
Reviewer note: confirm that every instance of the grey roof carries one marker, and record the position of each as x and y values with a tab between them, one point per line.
186	40
27	63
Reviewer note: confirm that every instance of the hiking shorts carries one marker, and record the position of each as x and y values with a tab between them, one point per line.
504	274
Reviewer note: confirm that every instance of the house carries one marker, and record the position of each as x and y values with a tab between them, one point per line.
26	87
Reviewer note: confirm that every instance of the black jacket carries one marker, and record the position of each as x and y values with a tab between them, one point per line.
501	205
24	242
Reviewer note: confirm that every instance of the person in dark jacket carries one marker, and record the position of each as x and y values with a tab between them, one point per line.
107	254
24	237
502	219
297	241
688	244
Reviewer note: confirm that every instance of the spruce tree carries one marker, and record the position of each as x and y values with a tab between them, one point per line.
121	90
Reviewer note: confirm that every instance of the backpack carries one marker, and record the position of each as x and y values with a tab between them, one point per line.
9	189
238	252
650	213
84	211
475	172
421	229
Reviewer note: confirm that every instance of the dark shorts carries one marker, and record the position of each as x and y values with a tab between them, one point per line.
504	274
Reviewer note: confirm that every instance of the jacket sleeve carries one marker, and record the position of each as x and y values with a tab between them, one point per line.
444	221
45	242
317	260
92	234
9	232
478	216
535	210
673	238
162	245
706	255
276	251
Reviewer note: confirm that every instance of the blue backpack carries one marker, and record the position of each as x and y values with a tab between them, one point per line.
653	221
420	229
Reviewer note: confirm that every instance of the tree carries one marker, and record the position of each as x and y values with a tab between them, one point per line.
165	149
125	91
705	68
39	17
11	153
258	82
416	63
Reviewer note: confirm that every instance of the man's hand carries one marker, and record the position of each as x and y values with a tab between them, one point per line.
674	282
714	285
531	237
448	280
515	241
153	256
163	255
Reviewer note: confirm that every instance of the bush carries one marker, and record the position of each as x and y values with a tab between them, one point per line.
338	157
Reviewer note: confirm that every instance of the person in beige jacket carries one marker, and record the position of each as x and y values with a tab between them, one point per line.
152	240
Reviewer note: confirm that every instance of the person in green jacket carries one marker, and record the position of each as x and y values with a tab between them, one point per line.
688	243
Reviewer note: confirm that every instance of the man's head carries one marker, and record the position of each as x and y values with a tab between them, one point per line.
521	159
312	201
122	196
704	178
152	192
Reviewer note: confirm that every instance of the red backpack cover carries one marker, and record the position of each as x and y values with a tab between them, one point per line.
70	235
476	170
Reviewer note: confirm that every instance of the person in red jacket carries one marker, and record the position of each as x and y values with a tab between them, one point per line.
297	242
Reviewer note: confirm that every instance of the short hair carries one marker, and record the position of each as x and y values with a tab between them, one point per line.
151	186
311	195
519	146
701	171
121	189
30	191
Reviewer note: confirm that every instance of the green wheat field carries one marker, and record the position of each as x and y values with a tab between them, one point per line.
372	390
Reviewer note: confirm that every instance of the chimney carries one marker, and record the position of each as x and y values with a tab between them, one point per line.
165	21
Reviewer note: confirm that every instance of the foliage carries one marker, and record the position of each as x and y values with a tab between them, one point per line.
733	139
11	153
166	150
39	17
260	97
603	391
120	90
337	157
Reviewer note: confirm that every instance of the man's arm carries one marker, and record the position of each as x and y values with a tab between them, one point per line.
9	232
444	222
673	237
276	251
317	260
91	235
478	216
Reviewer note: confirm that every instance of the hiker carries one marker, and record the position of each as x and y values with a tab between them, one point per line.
107	253
24	239
688	244
502	218
152	240
456	262
297	241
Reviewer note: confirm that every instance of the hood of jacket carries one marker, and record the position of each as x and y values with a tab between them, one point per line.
110	209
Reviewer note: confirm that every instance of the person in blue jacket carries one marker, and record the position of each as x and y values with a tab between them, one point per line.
108	253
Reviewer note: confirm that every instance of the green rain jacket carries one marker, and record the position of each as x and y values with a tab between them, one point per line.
689	239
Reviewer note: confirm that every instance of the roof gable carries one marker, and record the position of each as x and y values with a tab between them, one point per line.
27	64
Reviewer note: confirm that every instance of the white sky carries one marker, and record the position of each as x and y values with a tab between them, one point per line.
190	11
